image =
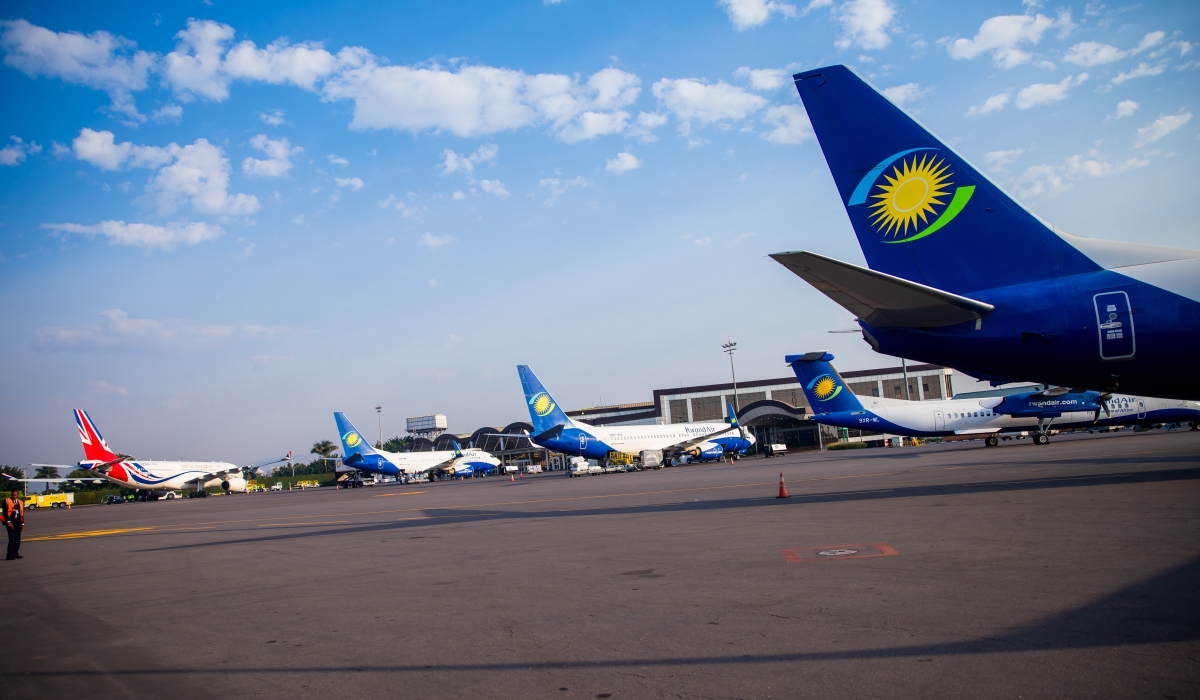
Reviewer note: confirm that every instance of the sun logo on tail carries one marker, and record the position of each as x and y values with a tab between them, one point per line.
542	405
825	387
912	191
351	439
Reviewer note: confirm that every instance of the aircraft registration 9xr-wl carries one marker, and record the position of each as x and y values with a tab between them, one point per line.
964	276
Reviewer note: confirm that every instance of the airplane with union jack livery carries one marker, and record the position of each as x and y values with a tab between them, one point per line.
151	478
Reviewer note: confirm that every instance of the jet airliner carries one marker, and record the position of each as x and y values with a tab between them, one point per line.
555	431
358	453
962	275
1032	411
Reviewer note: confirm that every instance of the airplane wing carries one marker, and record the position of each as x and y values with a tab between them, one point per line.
696	441
56	481
880	299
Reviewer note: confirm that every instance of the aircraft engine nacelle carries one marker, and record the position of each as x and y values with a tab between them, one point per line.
234	484
706	450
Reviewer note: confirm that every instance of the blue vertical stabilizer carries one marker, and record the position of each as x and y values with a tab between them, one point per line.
920	211
544	412
823	386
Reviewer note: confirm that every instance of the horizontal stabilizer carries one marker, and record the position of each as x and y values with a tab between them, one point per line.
880	299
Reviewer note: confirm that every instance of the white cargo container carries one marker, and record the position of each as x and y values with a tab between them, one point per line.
427	424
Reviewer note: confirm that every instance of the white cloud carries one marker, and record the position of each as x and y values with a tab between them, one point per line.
764	78
559	186
458	195
99	60
1154	39
272	118
1143	70
999	159
1045	93
475	100
692	99
1161	127
101	150
1126	108
903	94
494	187
590	125
995	103
278	162
428	240
790	122
167	113
16	152
337	160
145	235
623	163
194	67
647	122
1093	53
453	162
747	14
353	183
200	174
864	23
118	332
1051	181
1001	36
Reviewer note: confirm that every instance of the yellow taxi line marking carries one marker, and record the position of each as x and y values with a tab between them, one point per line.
317	522
88	533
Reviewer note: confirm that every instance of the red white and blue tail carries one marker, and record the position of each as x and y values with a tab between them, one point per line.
95	449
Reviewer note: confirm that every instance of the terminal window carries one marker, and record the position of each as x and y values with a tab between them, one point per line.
707	408
679	413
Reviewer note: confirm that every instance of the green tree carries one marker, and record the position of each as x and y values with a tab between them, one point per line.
324	448
46	473
398	444
14	472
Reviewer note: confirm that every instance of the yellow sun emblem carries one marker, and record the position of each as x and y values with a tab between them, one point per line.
352	439
912	190
824	387
542	404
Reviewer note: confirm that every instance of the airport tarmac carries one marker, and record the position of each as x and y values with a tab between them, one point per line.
1066	570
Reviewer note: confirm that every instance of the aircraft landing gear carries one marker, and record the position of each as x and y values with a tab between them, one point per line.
991	441
1040	438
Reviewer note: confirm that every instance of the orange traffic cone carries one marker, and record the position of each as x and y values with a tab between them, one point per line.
522	475
782	488
512	477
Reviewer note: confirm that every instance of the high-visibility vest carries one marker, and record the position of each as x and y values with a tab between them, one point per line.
14	511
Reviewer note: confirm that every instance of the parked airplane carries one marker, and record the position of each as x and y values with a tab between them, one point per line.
151	478
555	431
358	453
964	276
1032	411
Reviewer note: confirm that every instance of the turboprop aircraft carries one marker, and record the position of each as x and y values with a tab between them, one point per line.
963	276
151	478
555	431
1031	411
358	453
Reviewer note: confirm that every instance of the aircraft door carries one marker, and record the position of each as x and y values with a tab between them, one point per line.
1115	320
939	421
1141	409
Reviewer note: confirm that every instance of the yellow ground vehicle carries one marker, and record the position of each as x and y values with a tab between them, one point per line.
307	484
50	500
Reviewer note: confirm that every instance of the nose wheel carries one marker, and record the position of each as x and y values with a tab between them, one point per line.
991	441
1040	438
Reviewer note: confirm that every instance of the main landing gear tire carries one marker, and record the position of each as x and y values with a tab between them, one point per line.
991	441
1040	439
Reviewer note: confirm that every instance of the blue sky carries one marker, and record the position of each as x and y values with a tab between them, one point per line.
219	223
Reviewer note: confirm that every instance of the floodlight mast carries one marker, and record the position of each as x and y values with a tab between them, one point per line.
379	413
729	348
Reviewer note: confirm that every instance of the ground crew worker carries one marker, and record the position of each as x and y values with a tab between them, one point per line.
14	522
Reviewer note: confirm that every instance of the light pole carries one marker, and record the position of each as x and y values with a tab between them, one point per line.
379	413
729	348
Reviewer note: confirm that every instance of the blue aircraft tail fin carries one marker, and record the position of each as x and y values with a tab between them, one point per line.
544	412
824	388
733	419
919	209
353	442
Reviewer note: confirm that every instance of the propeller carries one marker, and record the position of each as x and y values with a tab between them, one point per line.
1103	401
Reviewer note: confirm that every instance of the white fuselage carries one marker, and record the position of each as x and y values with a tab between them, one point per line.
968	416
417	462
153	475
634	439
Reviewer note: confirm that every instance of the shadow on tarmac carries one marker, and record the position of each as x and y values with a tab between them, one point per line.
439	516
1158	610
